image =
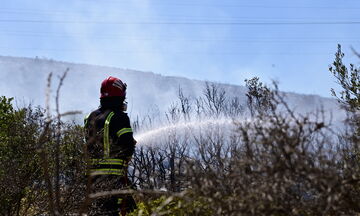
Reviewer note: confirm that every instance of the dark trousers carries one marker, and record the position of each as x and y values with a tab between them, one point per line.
111	205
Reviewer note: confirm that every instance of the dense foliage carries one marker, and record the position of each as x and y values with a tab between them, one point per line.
27	141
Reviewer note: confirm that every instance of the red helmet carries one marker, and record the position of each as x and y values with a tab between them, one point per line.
111	87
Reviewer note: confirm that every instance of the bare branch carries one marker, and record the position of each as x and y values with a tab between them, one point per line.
57	145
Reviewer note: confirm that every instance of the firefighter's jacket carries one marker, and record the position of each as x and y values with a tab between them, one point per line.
110	143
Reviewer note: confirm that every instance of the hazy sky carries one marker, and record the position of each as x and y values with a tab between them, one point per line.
226	41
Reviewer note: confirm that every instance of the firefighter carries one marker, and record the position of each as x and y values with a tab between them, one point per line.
110	146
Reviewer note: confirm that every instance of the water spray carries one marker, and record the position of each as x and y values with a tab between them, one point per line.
148	134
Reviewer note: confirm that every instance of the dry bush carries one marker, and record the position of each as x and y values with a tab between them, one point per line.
277	163
284	165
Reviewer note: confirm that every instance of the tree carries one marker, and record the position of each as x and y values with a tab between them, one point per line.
20	168
258	96
349	95
349	81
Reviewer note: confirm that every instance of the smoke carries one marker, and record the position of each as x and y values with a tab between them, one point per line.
90	36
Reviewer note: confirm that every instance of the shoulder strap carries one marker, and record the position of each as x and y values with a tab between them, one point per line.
106	135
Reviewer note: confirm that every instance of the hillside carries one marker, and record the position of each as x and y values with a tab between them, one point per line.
25	79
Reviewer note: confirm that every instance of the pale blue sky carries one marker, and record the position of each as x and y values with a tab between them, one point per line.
226	41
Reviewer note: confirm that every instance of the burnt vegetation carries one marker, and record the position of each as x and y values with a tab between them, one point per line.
216	156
